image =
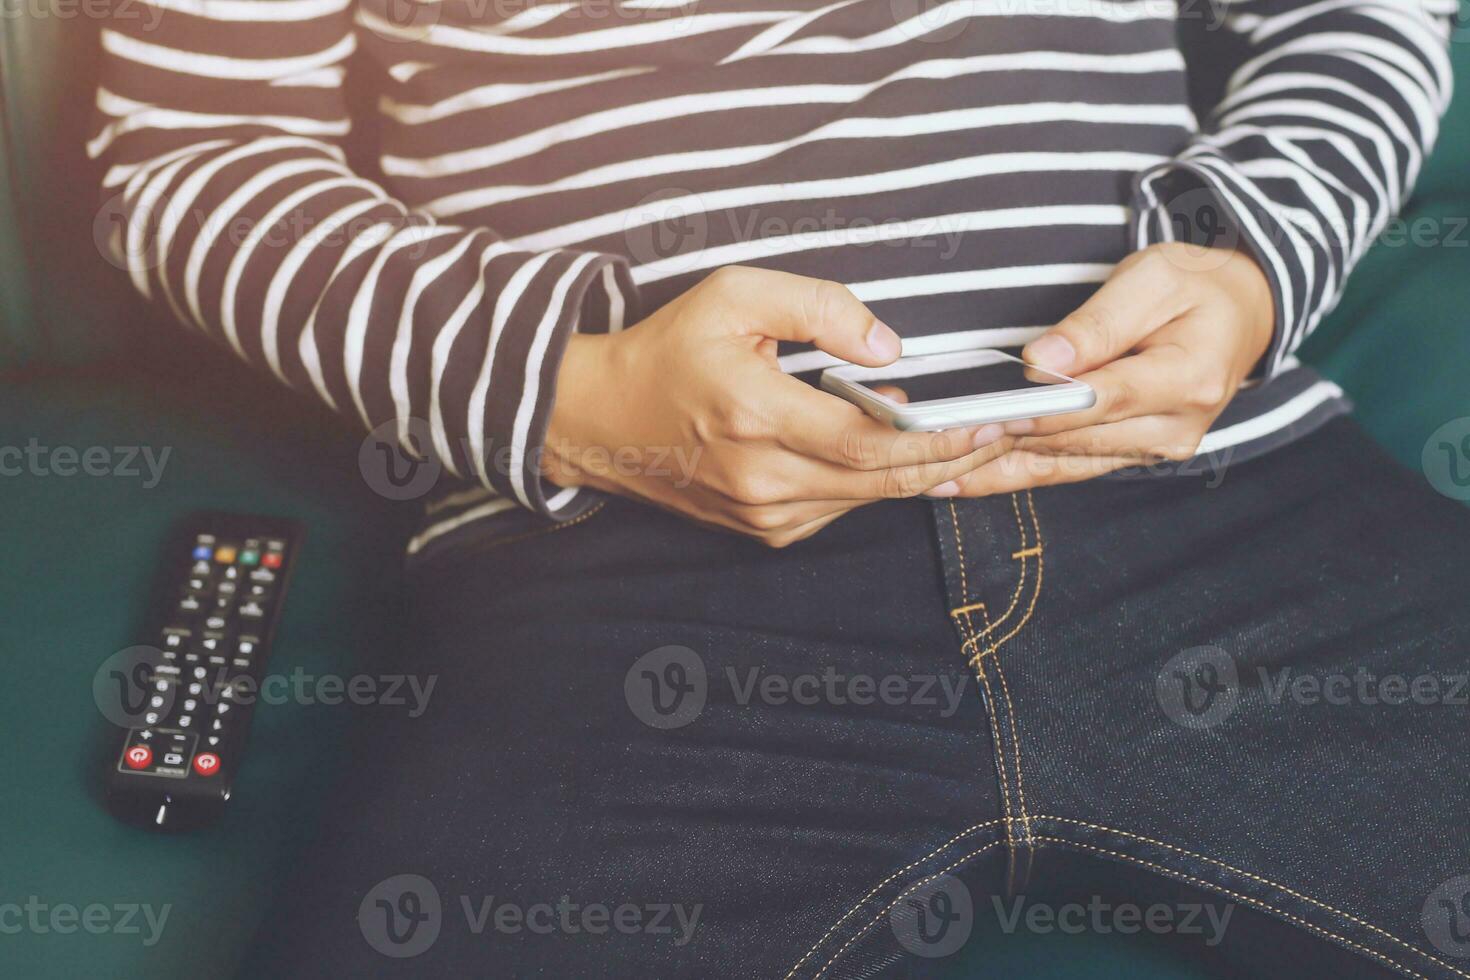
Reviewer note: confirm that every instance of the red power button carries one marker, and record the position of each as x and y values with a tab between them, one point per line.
206	763
138	757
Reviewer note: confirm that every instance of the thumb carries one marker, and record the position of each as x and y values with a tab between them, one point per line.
814	311
1133	303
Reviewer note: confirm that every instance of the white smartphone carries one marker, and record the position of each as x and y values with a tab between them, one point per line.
1000	388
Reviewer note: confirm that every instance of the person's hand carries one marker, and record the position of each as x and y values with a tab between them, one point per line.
690	411
1165	343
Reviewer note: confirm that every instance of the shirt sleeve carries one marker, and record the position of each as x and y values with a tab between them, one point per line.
1328	110
220	124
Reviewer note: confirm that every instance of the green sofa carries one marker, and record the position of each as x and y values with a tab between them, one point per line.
82	365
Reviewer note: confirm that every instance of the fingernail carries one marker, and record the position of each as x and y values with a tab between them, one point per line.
1052	351
948	489
883	342
987	434
1019	427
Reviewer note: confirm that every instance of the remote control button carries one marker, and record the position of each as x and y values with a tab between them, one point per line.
145	735
138	757
213	740
166	669
224	555
227	588
151	718
206	763
252	610
272	559
190	704
249	557
185	721
191	657
198	584
196	688
201	568
174	638
189	605
216	622
170	655
218	726
203	552
200	673
231	573
223	708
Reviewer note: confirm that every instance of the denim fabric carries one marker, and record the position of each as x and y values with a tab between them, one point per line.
655	750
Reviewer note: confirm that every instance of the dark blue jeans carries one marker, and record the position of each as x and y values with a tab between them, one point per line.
659	751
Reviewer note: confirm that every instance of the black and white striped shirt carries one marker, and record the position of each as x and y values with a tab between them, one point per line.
971	169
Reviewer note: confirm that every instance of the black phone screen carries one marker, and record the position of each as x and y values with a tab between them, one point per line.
983	380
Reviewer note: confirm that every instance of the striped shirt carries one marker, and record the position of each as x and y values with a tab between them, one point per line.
971	169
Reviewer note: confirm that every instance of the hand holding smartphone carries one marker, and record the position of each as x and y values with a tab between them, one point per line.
997	386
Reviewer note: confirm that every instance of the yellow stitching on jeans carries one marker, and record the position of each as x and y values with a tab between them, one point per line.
969	629
1257	878
879	887
1016	741
1036	591
1027	553
1000	673
960	546
1001	763
1015	596
864	931
1246	899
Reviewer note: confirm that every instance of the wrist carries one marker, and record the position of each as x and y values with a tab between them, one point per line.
1252	289
583	371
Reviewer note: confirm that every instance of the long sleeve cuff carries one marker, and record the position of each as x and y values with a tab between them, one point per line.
1201	200
565	292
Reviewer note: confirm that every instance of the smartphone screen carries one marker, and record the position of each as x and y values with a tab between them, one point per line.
984	379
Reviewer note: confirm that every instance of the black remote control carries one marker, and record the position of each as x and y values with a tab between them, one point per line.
195	680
